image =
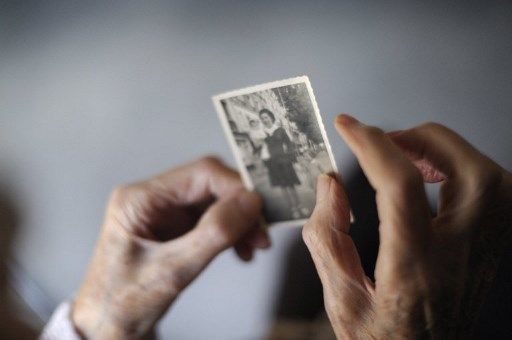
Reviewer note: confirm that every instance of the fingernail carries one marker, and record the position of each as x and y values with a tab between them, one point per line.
347	120
322	187
261	240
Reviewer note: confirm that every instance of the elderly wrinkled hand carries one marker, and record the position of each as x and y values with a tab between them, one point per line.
158	235
432	272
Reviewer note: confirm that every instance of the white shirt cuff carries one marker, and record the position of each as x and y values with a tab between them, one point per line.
60	325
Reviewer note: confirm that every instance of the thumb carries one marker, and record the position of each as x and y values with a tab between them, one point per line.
326	232
225	222
346	289
335	255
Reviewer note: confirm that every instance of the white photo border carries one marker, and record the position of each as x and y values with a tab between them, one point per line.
232	142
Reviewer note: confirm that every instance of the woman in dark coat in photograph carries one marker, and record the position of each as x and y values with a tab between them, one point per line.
278	156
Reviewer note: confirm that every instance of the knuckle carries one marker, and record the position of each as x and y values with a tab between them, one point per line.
307	233
373	131
129	192
310	235
121	194
130	206
209	161
137	198
431	127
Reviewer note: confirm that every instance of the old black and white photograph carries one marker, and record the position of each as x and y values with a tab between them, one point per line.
276	133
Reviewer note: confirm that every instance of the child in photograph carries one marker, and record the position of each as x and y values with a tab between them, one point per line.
280	161
256	133
259	149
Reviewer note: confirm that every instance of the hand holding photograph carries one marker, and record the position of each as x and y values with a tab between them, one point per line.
277	136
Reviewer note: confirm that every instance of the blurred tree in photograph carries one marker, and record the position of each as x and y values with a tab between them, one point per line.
296	101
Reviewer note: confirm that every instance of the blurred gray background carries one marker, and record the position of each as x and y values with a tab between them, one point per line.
94	94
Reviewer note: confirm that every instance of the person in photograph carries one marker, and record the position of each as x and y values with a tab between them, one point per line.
279	161
256	133
259	151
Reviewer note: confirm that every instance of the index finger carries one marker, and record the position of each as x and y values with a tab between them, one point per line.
390	173
196	182
402	204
